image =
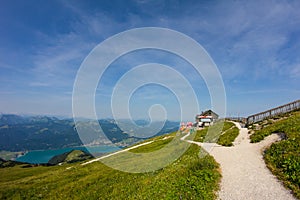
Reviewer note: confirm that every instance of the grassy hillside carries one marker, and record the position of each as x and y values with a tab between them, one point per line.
70	157
225	137
228	136
283	158
189	177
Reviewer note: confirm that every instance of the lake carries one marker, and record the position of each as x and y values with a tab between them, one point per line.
43	156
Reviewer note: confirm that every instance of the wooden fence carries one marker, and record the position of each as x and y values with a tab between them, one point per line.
237	119
274	112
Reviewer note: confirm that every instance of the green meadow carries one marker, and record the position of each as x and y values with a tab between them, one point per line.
190	177
187	176
282	158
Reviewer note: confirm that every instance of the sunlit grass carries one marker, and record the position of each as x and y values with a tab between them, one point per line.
283	158
222	132
228	137
188	177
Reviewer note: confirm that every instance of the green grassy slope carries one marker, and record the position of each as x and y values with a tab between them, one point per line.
189	177
227	135
283	158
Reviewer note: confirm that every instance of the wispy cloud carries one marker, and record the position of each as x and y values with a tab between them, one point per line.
253	43
268	91
295	71
38	84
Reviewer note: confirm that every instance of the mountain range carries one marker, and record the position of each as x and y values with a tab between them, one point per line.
24	133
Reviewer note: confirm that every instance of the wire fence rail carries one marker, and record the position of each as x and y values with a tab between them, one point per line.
273	112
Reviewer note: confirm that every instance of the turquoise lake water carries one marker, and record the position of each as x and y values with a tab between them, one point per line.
43	156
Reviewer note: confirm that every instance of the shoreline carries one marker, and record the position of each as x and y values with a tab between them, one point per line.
43	156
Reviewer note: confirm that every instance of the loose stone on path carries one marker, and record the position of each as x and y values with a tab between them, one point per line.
244	173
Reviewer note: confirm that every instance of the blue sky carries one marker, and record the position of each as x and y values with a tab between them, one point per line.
255	45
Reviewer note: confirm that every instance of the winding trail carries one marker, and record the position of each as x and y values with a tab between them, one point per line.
109	155
244	173
121	151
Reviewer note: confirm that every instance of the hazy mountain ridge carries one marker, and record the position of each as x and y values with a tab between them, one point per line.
21	133
12	119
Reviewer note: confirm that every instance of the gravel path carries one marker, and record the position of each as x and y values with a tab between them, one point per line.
245	175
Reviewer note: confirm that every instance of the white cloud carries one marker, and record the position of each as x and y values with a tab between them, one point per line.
295	71
38	84
250	41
